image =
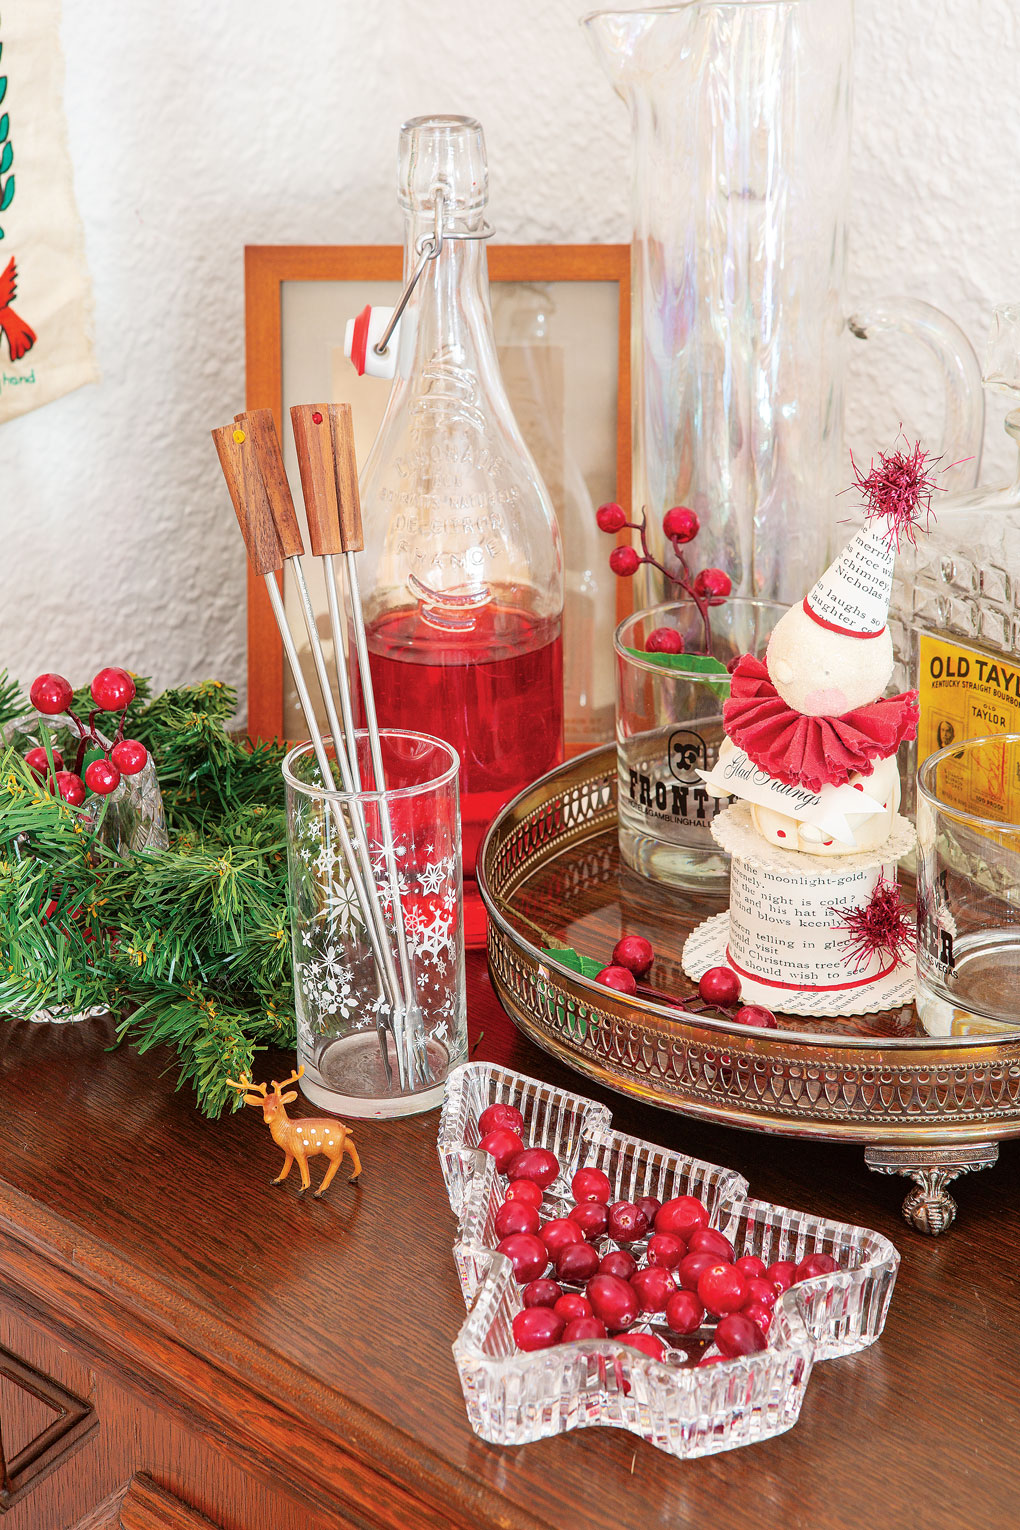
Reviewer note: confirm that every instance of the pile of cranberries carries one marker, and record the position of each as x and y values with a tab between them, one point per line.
718	989
112	690
607	1265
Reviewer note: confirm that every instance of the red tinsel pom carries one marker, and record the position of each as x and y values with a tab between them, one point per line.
899	491
882	927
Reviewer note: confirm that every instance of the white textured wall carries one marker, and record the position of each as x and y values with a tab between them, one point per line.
204	125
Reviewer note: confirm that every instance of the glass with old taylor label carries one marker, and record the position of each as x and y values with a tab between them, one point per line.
669	728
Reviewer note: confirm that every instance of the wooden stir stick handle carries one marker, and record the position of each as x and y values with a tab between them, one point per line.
249	498
348	498
313	438
264	443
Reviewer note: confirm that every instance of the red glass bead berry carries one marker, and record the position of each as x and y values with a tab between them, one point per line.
611	517
541	1293
713	582
612	1301
39	765
738	1335
756	1014
647	1343
503	1145
813	1266
499	1114
50	694
524	1190
666	1250
719	985
591	1217
760	1315
691	1268
681	1216
572	1305
618	978
537	1328
113	690
664	640
558	1233
761	1293
653	1287
516	1217
780	1275
577	1263
680	524
591	1185
101	777
751	1266
650	1205
129	756
624	561
70	787
584	1328
619	1263
635	953
528	1255
684	1313
537	1164
706	1240
722	1289
627	1223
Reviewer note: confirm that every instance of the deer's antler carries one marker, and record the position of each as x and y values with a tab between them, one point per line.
257	1091
292	1080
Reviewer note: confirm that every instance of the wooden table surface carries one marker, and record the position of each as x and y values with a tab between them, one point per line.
138	1228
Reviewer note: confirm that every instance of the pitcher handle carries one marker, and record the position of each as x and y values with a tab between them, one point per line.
963	432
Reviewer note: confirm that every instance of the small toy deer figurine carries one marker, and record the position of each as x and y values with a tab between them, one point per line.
299	1139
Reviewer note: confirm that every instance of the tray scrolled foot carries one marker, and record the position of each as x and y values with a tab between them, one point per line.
929	1207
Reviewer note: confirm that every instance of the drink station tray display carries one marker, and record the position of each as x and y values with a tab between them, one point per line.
931	1107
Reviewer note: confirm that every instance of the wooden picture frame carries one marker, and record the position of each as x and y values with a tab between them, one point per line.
268	267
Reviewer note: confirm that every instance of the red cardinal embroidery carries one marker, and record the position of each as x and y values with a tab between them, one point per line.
20	338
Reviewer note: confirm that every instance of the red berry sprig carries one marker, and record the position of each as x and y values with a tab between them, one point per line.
112	690
718	988
680	526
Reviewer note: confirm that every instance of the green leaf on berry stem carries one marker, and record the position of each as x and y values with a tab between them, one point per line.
692	666
585	966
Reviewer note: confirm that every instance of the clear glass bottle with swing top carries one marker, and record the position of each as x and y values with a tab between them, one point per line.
462	570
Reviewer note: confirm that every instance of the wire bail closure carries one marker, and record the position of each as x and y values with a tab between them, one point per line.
429	248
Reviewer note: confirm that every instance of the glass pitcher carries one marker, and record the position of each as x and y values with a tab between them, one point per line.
740	116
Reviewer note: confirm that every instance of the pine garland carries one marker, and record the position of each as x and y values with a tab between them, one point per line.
188	947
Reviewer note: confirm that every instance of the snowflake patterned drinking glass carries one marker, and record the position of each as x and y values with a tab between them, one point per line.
347	1032
968	887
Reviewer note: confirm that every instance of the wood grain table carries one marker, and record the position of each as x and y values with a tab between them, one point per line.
183	1345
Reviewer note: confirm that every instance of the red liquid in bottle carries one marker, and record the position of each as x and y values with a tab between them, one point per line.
494	692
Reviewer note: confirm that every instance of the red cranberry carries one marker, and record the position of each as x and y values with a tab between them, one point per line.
756	1014
691	1268
572	1305
705	1240
711	1360
680	524
618	1262
524	1190
500	1115
70	787
591	1218
516	1217
624	561
722	1289
653	1286
584	1328
558	1232
635	953
537	1328
647	1343
781	1275
618	978
719	985
736	1334
681	1216
650	1205
528	1255
611	517
101	777
713	582
50	694
664	640
537	1164
113	690
503	1145
684	1313
541	1293
760	1315
612	1301
129	756
750	1265
591	1185
576	1262
760	1292
627	1222
813	1266
39	765
666	1250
